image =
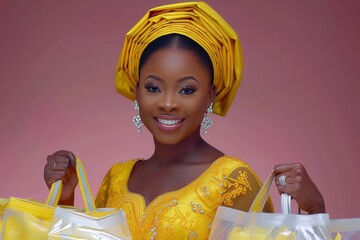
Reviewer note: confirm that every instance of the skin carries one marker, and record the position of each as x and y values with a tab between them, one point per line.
174	85
300	186
61	165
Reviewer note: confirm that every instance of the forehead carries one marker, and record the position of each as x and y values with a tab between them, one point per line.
174	59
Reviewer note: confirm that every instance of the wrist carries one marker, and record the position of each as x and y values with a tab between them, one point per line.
68	201
318	208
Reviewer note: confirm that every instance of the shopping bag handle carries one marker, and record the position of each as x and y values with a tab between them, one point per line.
260	199
86	194
54	194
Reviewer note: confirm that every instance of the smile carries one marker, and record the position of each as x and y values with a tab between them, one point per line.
169	122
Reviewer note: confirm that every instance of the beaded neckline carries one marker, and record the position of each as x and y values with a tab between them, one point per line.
178	191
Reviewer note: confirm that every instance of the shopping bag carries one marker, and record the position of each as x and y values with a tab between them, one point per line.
3	204
27	219
345	229
232	224
92	223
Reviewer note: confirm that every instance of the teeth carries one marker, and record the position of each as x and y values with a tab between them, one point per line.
169	122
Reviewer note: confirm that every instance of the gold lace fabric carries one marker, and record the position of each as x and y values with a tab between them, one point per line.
186	213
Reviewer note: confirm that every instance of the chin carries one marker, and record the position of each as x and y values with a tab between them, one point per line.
168	141
172	139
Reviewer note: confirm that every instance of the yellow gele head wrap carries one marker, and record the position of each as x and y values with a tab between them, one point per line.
201	23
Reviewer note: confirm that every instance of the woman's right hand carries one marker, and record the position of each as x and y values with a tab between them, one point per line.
61	165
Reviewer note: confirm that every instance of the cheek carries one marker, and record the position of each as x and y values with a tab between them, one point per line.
146	103
141	96
195	108
144	106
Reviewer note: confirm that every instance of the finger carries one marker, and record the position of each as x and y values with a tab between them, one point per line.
281	168
286	182
56	158
65	154
57	165
281	184
54	166
53	160
277	179
69	155
288	190
51	177
61	166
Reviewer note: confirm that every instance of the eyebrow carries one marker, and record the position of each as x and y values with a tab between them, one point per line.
179	80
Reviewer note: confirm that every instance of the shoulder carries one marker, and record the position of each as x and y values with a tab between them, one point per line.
121	167
241	184
234	172
119	171
231	163
238	167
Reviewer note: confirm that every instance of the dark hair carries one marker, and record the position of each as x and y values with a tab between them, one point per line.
181	42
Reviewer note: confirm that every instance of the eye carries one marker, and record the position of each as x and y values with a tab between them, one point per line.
152	88
187	90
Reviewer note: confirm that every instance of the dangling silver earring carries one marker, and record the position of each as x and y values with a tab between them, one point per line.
207	122
137	119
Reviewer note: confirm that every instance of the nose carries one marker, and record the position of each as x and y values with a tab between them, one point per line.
169	102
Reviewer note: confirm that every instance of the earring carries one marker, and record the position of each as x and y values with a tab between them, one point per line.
207	122
137	119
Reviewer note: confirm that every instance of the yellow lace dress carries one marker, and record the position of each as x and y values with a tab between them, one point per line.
188	212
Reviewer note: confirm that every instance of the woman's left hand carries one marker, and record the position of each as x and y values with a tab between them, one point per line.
301	188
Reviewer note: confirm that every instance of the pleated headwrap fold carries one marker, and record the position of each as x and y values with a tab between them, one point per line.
201	23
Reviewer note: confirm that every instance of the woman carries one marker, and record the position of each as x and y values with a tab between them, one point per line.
179	63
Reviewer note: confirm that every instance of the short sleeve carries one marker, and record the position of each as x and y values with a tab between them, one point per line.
240	189
114	184
102	195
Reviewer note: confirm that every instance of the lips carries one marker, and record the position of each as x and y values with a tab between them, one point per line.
168	124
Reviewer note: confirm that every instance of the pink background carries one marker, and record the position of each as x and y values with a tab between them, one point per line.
298	101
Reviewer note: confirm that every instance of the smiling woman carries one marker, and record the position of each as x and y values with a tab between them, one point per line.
180	63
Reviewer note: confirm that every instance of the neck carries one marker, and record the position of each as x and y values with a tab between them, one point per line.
187	151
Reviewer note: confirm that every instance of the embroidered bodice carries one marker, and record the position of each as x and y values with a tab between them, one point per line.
186	213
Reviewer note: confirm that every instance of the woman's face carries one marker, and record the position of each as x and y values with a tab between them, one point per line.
174	92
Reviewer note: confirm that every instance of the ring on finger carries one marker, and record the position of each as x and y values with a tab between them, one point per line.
282	180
